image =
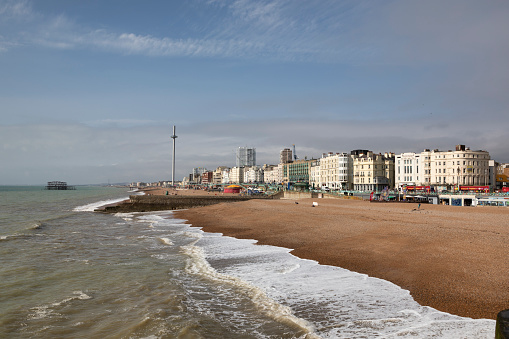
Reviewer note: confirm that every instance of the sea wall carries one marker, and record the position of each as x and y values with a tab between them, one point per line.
146	203
295	195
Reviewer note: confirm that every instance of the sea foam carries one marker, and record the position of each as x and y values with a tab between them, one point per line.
326	301
93	206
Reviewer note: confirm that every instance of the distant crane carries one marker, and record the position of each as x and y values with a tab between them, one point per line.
295	157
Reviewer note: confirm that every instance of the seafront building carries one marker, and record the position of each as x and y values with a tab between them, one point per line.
445	170
285	156
373	172
245	157
207	178
364	170
336	171
236	175
407	166
218	175
195	176
225	176
253	174
270	174
298	171
314	175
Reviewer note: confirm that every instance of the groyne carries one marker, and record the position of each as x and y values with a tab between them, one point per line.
148	203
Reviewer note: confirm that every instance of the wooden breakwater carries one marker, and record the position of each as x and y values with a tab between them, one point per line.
147	203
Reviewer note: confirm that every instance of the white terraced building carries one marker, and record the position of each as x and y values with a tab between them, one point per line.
253	174
314	175
336	171
444	169
270	174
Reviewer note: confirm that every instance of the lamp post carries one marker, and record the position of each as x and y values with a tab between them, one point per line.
458	179
174	136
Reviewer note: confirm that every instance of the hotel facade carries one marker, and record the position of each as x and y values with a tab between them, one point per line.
443	169
373	172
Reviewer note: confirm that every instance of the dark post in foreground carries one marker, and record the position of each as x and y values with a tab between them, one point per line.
502	327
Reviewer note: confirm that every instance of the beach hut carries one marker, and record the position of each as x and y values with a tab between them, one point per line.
232	189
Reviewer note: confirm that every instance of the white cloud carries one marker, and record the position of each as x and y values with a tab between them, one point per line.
148	45
263	13
243	29
11	9
122	123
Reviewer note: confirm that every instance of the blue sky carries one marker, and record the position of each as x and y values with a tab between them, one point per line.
90	90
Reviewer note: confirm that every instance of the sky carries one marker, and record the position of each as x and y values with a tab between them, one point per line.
90	90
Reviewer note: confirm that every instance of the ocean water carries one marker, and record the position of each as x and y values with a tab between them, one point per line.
69	272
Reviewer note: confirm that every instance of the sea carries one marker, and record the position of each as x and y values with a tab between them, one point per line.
69	272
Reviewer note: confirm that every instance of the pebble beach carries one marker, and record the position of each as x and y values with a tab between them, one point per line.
453	259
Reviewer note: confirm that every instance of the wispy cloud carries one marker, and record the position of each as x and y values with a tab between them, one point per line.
276	29
333	31
121	123
14	9
130	43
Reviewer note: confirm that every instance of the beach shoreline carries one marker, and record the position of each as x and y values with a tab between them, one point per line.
449	258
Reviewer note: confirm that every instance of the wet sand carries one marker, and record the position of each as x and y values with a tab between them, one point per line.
451	258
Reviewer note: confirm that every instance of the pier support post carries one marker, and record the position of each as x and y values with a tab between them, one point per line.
502	327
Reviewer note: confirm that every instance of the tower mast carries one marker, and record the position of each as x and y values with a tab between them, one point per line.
174	136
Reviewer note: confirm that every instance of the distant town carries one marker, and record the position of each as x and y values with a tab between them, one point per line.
458	170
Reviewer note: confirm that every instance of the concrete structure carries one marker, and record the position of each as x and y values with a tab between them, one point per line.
245	157
145	203
285	156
